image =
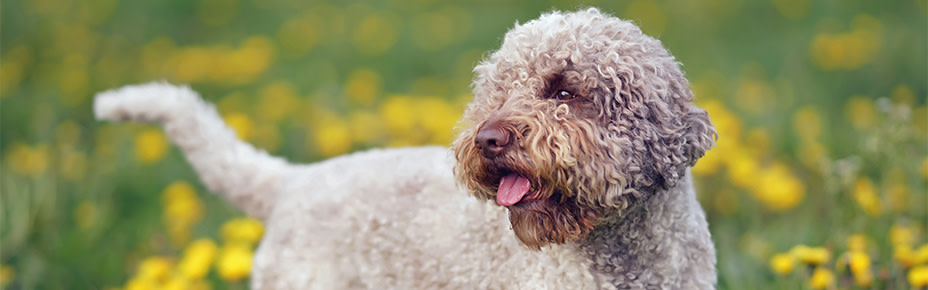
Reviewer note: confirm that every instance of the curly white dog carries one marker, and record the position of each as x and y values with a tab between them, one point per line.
576	147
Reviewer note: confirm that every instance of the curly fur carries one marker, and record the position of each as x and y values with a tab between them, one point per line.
612	204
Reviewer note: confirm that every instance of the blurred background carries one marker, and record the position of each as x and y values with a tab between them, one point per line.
818	180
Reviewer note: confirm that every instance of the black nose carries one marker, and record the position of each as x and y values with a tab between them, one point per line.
492	140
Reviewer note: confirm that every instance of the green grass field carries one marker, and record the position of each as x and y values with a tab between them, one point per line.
818	180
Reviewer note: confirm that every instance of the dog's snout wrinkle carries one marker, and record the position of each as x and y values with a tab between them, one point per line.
492	140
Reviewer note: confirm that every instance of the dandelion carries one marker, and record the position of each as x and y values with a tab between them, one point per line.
778	188
921	255
918	276
242	230
901	235
866	197
742	168
154	269
812	256
398	115
176	282
782	263
234	262
150	146
859	262
332	137
857	243
821	278
241	124
904	254
197	259
140	284
28	160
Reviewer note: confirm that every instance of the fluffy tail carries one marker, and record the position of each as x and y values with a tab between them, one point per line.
247	177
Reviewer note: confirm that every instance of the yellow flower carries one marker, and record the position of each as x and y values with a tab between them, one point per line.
857	243
181	205
234	262
197	259
866	197
812	256
904	254
782	263
398	115
901	235
918	276
242	230
150	146
7	275
241	124
859	262
140	284
777	188
28	160
332	137
821	278
363	86
726	122
176	282
437	117
154	269
742	168
921	255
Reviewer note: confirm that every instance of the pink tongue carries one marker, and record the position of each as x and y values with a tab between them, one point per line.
512	188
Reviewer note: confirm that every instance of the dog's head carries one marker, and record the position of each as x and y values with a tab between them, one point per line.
574	118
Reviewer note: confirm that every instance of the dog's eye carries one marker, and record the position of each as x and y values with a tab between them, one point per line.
563	95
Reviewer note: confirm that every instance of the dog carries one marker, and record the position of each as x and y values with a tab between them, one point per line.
570	171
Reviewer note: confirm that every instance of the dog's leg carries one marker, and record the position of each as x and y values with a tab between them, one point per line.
247	177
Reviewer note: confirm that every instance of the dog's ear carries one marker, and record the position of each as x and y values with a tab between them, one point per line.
698	134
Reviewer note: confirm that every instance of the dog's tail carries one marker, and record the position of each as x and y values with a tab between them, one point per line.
247	177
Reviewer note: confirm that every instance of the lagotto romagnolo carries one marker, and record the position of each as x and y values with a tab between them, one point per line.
570	171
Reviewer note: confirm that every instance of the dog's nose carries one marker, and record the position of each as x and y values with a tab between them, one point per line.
492	141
